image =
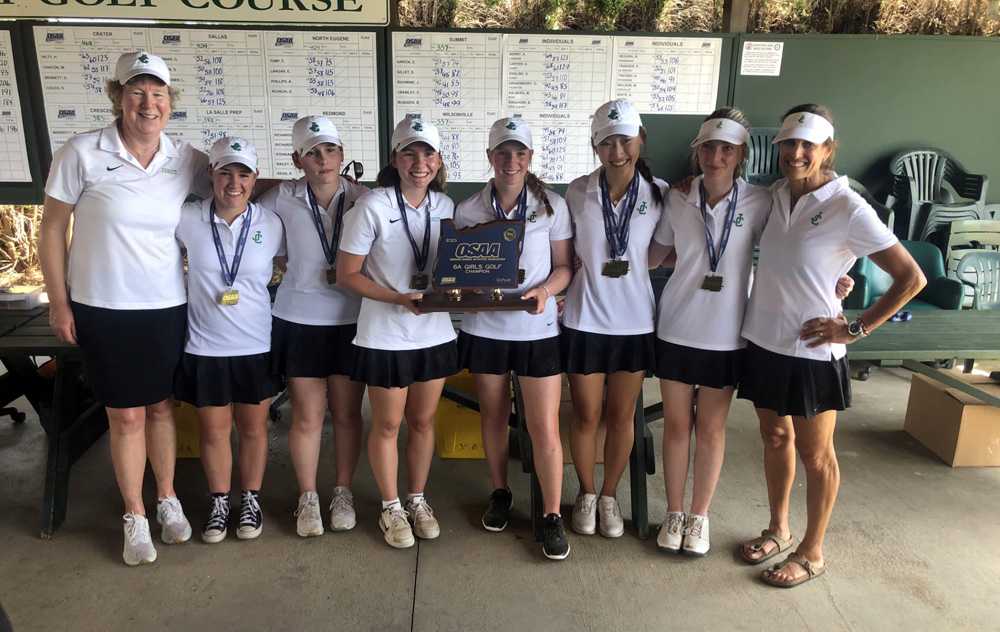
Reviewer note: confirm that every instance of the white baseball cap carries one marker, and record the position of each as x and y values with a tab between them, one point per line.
230	149
415	130
615	117
310	131
131	65
724	129
506	129
805	126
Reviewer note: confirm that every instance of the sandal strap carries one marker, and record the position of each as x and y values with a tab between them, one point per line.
795	558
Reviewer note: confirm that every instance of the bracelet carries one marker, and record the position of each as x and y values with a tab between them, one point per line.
547	293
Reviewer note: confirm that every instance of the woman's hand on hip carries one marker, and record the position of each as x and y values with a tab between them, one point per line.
822	331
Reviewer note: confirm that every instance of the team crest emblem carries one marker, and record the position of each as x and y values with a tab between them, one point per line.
719	126
236	147
642	208
418	126
258	237
802	119
314	127
511	125
613	115
144	58
816	219
739	220
532	217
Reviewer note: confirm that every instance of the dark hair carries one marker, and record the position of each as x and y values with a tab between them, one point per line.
733	114
819	110
536	186
389	176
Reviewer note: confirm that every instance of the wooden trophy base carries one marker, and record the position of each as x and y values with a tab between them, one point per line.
486	301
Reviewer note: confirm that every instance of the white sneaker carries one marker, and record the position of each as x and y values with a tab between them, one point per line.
696	535
609	517
584	517
170	515
396	527
425	525
342	514
138	543
671	532
309	522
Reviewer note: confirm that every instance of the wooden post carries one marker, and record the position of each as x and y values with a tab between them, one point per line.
735	16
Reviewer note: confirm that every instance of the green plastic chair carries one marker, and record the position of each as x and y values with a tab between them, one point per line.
931	188
871	282
884	212
981	272
762	156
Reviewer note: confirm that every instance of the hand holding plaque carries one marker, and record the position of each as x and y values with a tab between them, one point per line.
474	266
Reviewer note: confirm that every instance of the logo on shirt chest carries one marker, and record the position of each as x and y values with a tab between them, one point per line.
642	208
258	237
739	220
533	217
816	219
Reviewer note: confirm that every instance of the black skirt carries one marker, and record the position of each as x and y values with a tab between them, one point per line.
697	367
399	369
130	355
311	350
794	386
527	358
220	381
585	352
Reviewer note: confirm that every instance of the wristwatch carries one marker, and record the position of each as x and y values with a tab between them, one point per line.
856	328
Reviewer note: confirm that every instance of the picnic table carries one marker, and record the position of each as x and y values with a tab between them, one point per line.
72	419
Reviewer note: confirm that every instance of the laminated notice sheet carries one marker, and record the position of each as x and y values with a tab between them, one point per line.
247	83
14	165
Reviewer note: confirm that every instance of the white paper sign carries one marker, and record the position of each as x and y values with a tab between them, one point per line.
253	84
667	75
14	165
761	58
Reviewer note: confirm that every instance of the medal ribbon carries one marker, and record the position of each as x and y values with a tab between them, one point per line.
229	273
329	248
616	229
419	254
522	205
727	226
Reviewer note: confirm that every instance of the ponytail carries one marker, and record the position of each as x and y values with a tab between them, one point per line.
536	186
643	168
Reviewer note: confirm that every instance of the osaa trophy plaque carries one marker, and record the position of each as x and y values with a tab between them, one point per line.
474	266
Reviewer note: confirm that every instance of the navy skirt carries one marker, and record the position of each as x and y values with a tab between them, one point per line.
311	350
527	358
220	381
585	352
399	369
697	367
794	386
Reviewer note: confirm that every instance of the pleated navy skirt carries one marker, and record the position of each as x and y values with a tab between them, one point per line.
585	352
794	386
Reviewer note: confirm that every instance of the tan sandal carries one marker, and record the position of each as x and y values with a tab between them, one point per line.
757	545
811	572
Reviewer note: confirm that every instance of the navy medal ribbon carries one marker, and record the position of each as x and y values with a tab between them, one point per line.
420	255
617	229
715	255
229	272
329	247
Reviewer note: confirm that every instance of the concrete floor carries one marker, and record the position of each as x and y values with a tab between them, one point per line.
913	545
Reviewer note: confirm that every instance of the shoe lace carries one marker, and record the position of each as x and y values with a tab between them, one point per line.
218	516
694	526
398	517
249	508
310	503
170	508
420	509
136	530
341	502
675	522
587	505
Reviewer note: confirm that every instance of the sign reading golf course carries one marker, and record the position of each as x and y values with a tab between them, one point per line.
367	12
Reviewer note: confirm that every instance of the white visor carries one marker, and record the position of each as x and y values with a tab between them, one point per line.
805	126
232	149
510	129
726	130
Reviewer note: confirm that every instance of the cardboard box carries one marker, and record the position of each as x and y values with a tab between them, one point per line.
957	427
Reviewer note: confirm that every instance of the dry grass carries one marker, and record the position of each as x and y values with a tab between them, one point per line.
19	245
952	17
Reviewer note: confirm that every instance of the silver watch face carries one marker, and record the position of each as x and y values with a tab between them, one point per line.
854	328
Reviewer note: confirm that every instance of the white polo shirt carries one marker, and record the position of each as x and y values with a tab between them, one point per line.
376	231
689	315
540	229
229	330
305	296
123	254
621	306
802	255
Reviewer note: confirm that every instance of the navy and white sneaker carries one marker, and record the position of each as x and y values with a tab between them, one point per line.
217	523
554	544
251	518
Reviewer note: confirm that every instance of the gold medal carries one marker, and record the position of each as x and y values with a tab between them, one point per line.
712	283
615	268
229	297
419	281
331	276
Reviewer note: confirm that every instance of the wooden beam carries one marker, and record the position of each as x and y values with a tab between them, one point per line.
735	16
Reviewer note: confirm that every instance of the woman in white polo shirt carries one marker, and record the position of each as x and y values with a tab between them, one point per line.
386	256
226	368
491	345
315	321
795	370
119	291
712	228
607	334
